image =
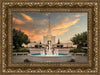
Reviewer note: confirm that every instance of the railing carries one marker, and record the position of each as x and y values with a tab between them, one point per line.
80	54
20	53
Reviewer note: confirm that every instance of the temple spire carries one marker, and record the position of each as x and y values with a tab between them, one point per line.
49	28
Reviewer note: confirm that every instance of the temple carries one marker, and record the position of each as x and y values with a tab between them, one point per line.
49	36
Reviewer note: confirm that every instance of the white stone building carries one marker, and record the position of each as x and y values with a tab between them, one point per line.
31	44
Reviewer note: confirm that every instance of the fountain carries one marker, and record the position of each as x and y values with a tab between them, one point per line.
50	51
49	55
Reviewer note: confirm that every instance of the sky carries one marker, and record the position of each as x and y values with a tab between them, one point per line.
63	25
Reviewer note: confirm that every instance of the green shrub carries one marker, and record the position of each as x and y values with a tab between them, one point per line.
20	50
78	50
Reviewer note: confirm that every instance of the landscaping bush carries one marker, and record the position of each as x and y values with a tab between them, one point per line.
20	50
78	50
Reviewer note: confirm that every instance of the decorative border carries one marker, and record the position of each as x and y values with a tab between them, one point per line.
43	6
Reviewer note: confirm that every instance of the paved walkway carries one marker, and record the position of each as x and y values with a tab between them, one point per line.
21	58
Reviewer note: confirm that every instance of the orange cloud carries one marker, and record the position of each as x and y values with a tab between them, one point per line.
44	31
77	15
17	21
59	29
26	17
53	32
33	36
66	25
59	32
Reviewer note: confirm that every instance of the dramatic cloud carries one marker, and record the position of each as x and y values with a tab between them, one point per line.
37	26
78	15
33	36
26	17
37	35
66	24
17	21
62	28
44	31
59	32
34	32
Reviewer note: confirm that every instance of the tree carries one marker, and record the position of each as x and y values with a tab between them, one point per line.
58	41
80	39
40	45
36	46
40	42
19	38
61	46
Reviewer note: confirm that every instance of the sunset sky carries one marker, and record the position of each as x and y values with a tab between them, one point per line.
63	25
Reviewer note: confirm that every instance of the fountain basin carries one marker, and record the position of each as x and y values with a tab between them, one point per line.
49	58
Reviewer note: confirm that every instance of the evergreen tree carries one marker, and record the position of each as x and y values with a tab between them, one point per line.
40	42
58	41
